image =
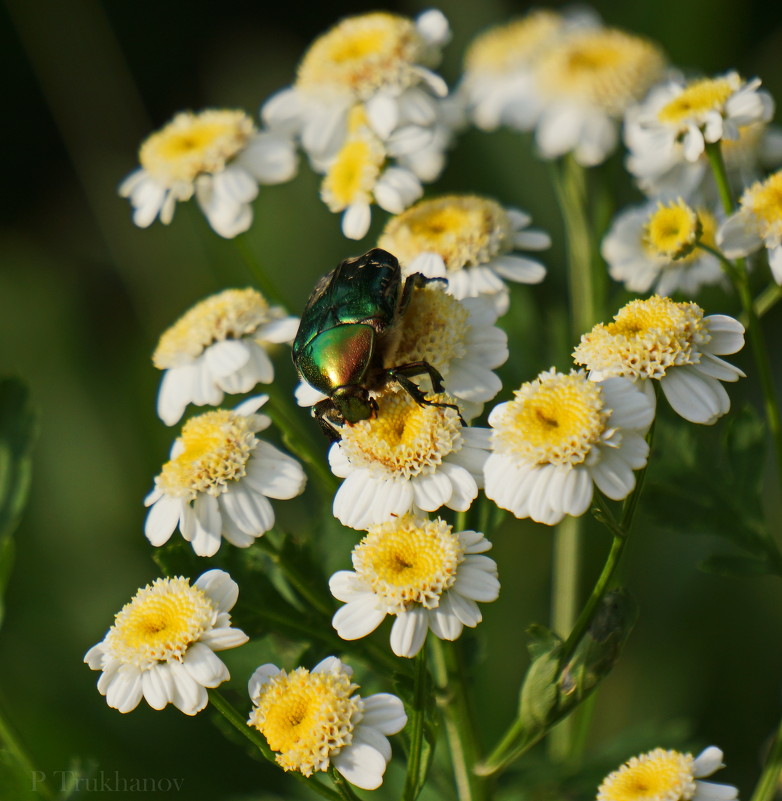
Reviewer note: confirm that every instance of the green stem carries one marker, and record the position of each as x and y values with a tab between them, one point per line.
343	786
13	747
460	728
741	282
772	770
236	720
415	726
767	299
268	288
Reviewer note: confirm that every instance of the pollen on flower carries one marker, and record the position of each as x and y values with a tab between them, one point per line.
213	450
764	200
362	54
555	419
233	313
307	717
403	438
409	561
698	98
658	775
159	623
646	338
502	48
672	230
464	230
192	144
433	329
606	68
354	172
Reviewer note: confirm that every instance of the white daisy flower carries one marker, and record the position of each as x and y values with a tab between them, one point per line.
654	246
561	436
162	644
672	343
378	60
757	223
406	457
667	133
219	479
470	241
499	68
219	156
314	719
357	176
661	775
218	346
585	82
423	573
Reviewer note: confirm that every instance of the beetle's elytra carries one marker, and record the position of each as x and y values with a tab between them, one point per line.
340	344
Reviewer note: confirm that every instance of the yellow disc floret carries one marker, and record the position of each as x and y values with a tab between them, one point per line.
606	68
404	439
464	230
555	419
212	451
433	329
307	717
231	314
764	200
697	99
409	561
672	230
363	54
656	776
505	47
192	144
160	623
352	175
647	338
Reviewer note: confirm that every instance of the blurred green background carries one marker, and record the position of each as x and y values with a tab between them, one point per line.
84	296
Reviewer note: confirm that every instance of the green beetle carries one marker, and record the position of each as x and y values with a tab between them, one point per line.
345	329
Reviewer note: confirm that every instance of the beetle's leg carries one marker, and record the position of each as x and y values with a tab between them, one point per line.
419	368
414	281
416	393
323	411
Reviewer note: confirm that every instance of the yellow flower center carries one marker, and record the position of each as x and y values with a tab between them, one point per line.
409	561
215	449
404	439
160	623
192	144
354	172
698	98
231	314
646	338
433	329
656	776
606	68
672	231
555	419
307	717
764	200
464	229
505	47
363	54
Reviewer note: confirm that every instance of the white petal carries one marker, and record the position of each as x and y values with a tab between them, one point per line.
432	490
207	525
158	686
358	618
382	113
204	666
712	791
252	513
220	587
727	334
236	184
409	632
189	696
223	638
443	622
125	690
613	476
274	473
518	268
362	765
175	392
162	519
464	488
707	762
694	396
261	675
384	712
738	236
345	585
226	357
355	220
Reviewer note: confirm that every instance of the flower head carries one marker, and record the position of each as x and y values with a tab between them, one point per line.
161	646
420	571
672	343
757	223
218	346
561	435
219	156
218	481
470	241
655	246
314	719
661	775
408	456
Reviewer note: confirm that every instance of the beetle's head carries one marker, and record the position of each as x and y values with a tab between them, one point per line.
353	403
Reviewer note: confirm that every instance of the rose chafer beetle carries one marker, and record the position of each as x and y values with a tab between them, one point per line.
346	331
